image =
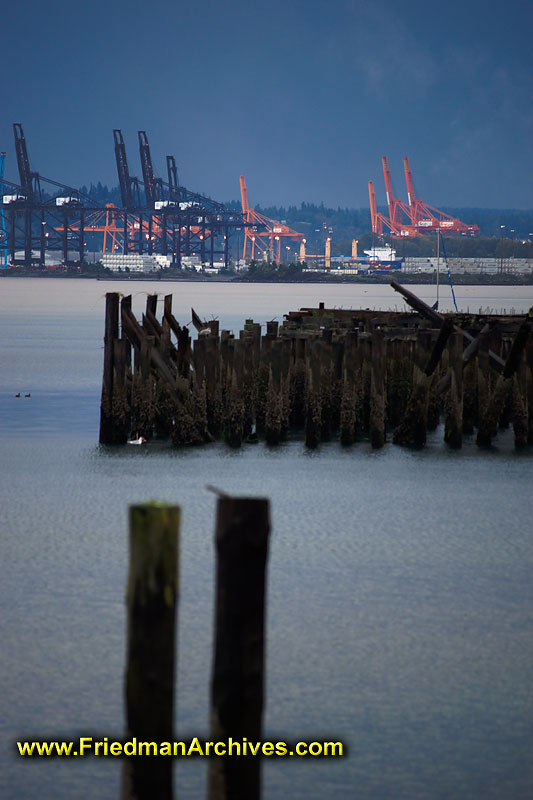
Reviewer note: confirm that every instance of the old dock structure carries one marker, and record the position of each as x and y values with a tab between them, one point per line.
329	373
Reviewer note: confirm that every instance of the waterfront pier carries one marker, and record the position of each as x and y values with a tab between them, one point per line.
326	373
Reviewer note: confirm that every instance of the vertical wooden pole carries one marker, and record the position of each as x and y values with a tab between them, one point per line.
125	305
151	304
348	412
488	425
326	381
121	410
453	405
412	428
273	402
483	376
111	333
377	390
152	591
298	384
314	411
237	687
519	404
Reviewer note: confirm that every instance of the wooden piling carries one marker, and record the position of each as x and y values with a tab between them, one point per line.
412	429
488	425
313	421
107	432
274	400
453	404
152	591
348	410
298	384
234	405
120	407
142	400
377	390
237	686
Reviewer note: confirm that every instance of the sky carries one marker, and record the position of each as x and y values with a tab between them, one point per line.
303	98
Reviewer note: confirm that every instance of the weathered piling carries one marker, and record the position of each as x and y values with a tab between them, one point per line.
274	401
453	403
313	422
377	390
488	425
349	404
237	686
107	429
412	429
298	384
152	591
120	406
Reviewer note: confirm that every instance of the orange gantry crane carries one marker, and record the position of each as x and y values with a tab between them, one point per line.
263	236
415	217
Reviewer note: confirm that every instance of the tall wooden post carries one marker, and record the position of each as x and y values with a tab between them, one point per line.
453	405
489	423
152	591
412	429
348	413
313	420
237	687
121	410
110	334
274	399
377	390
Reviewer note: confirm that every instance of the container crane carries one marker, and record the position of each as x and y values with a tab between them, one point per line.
263	236
424	217
416	217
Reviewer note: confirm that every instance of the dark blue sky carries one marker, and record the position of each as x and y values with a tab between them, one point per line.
301	97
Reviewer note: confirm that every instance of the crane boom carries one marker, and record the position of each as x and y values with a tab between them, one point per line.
373	209
391	204
150	185
411	197
173	182
244	195
23	162
124	178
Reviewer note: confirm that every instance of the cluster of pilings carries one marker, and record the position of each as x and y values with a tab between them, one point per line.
329	373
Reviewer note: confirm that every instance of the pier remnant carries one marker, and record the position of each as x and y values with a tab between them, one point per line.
343	373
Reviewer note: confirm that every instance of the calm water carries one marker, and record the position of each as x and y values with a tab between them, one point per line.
400	600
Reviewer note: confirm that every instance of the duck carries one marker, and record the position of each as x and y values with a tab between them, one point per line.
17	395
28	395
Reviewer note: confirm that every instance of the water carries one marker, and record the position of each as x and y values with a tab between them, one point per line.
400	607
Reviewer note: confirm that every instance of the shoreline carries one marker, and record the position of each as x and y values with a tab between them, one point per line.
459	279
